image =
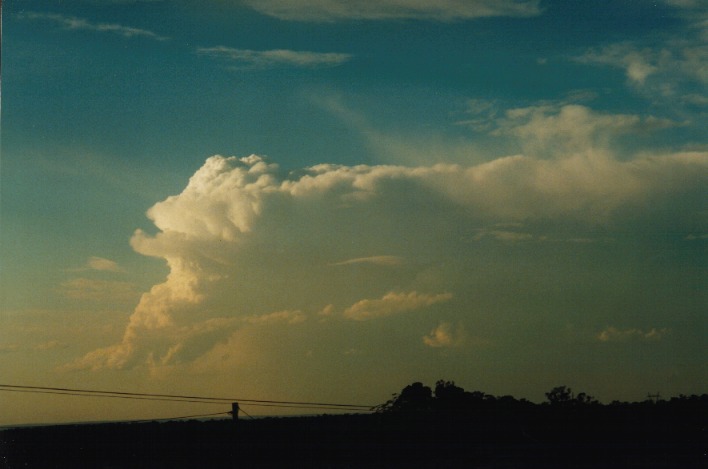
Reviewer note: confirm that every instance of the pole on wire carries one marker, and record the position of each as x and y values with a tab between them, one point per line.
234	412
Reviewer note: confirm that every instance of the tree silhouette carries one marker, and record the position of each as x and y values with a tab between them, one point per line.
413	398
448	391
450	398
560	395
564	396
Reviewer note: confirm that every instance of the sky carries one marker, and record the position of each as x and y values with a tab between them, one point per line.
327	200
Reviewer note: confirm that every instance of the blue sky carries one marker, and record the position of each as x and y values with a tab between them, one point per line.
509	194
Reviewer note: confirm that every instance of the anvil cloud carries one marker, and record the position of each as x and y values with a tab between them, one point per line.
242	230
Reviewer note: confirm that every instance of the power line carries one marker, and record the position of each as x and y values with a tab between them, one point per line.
247	414
167	418
179	398
257	404
65	393
324	407
180	418
164	419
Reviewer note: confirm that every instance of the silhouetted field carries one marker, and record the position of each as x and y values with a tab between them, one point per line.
485	432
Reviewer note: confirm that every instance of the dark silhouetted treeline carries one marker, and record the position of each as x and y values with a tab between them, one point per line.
419	427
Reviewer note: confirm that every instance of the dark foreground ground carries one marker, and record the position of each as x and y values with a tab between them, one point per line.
533	437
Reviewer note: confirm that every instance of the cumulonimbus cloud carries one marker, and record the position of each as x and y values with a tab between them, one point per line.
249	246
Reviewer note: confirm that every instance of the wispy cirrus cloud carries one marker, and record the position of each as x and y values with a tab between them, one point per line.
246	58
341	10
78	24
638	63
669	71
122	2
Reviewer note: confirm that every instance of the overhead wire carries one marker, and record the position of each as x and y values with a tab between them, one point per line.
193	416
324	407
62	393
247	414
181	398
173	418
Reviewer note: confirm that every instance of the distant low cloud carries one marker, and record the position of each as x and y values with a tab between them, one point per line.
78	24
503	235
279	317
9	348
98	290
445	10
694	236
51	345
373	260
99	264
246	58
446	335
392	303
612	334
102	264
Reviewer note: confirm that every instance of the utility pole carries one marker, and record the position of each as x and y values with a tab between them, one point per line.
654	397
234	412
